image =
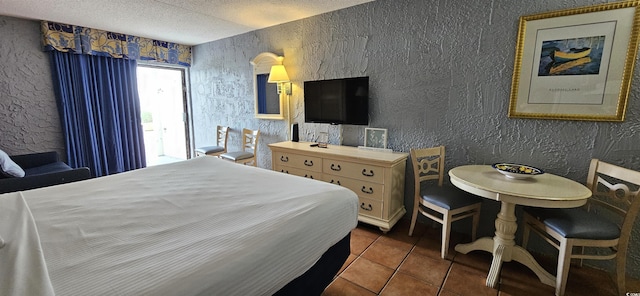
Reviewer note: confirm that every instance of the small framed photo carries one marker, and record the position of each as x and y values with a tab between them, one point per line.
375	138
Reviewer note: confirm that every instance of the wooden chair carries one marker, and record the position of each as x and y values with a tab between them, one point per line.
248	155
605	222
442	204
221	143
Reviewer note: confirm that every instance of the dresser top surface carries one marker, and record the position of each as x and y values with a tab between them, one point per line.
345	151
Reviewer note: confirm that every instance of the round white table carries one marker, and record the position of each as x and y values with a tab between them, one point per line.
546	190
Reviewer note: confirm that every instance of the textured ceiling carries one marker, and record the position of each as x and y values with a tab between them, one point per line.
188	22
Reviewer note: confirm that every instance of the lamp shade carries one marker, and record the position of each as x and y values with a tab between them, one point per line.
278	74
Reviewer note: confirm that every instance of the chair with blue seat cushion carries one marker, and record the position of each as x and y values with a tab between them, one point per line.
442	204
248	154
221	143
603	225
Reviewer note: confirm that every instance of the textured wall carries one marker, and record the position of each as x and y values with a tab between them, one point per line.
440	74
28	113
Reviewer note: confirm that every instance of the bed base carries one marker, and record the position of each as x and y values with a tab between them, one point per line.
316	279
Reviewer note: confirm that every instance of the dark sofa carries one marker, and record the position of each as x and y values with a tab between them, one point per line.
41	170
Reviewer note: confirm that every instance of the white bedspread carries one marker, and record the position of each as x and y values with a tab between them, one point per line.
199	227
22	267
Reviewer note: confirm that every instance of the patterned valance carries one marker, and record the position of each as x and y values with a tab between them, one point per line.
76	39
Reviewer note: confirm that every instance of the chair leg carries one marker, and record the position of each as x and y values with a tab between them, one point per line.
476	222
414	216
564	262
621	274
581	253
525	232
446	233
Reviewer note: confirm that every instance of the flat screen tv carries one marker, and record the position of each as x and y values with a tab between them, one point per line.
337	101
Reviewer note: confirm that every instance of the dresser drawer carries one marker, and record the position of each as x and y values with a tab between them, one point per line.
361	188
376	177
369	207
305	162
353	170
298	172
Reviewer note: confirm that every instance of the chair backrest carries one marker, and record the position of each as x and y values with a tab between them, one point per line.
616	189
223	135
250	140
428	164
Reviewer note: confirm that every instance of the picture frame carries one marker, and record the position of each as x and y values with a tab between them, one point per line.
375	138
575	64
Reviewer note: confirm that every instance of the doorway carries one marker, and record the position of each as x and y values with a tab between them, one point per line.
163	106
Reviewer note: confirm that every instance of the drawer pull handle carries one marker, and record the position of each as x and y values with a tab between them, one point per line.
335	168
308	176
369	208
308	162
364	189
335	182
369	174
284	158
284	171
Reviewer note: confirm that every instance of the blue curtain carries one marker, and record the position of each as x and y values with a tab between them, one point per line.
261	81
100	112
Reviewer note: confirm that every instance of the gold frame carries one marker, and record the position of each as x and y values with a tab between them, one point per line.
615	81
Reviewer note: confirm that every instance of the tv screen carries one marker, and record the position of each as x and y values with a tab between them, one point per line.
337	101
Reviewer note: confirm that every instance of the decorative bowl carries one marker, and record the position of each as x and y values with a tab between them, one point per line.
517	171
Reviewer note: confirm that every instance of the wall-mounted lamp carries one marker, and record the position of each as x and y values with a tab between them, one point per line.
278	74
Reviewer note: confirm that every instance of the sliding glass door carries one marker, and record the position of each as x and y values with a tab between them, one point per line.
163	103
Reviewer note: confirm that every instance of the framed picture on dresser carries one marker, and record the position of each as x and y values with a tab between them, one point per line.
375	138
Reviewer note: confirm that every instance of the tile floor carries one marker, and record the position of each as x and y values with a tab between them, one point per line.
396	264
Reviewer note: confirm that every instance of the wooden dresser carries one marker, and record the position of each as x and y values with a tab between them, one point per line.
376	177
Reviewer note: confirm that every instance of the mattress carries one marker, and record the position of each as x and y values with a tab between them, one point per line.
204	226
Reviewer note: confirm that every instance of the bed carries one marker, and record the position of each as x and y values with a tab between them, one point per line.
204	226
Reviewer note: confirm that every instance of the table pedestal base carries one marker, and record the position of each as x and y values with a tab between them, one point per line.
504	249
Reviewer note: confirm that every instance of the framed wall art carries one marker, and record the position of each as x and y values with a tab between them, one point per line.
575	64
375	138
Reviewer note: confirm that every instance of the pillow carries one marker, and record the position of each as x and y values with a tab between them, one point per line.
9	168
